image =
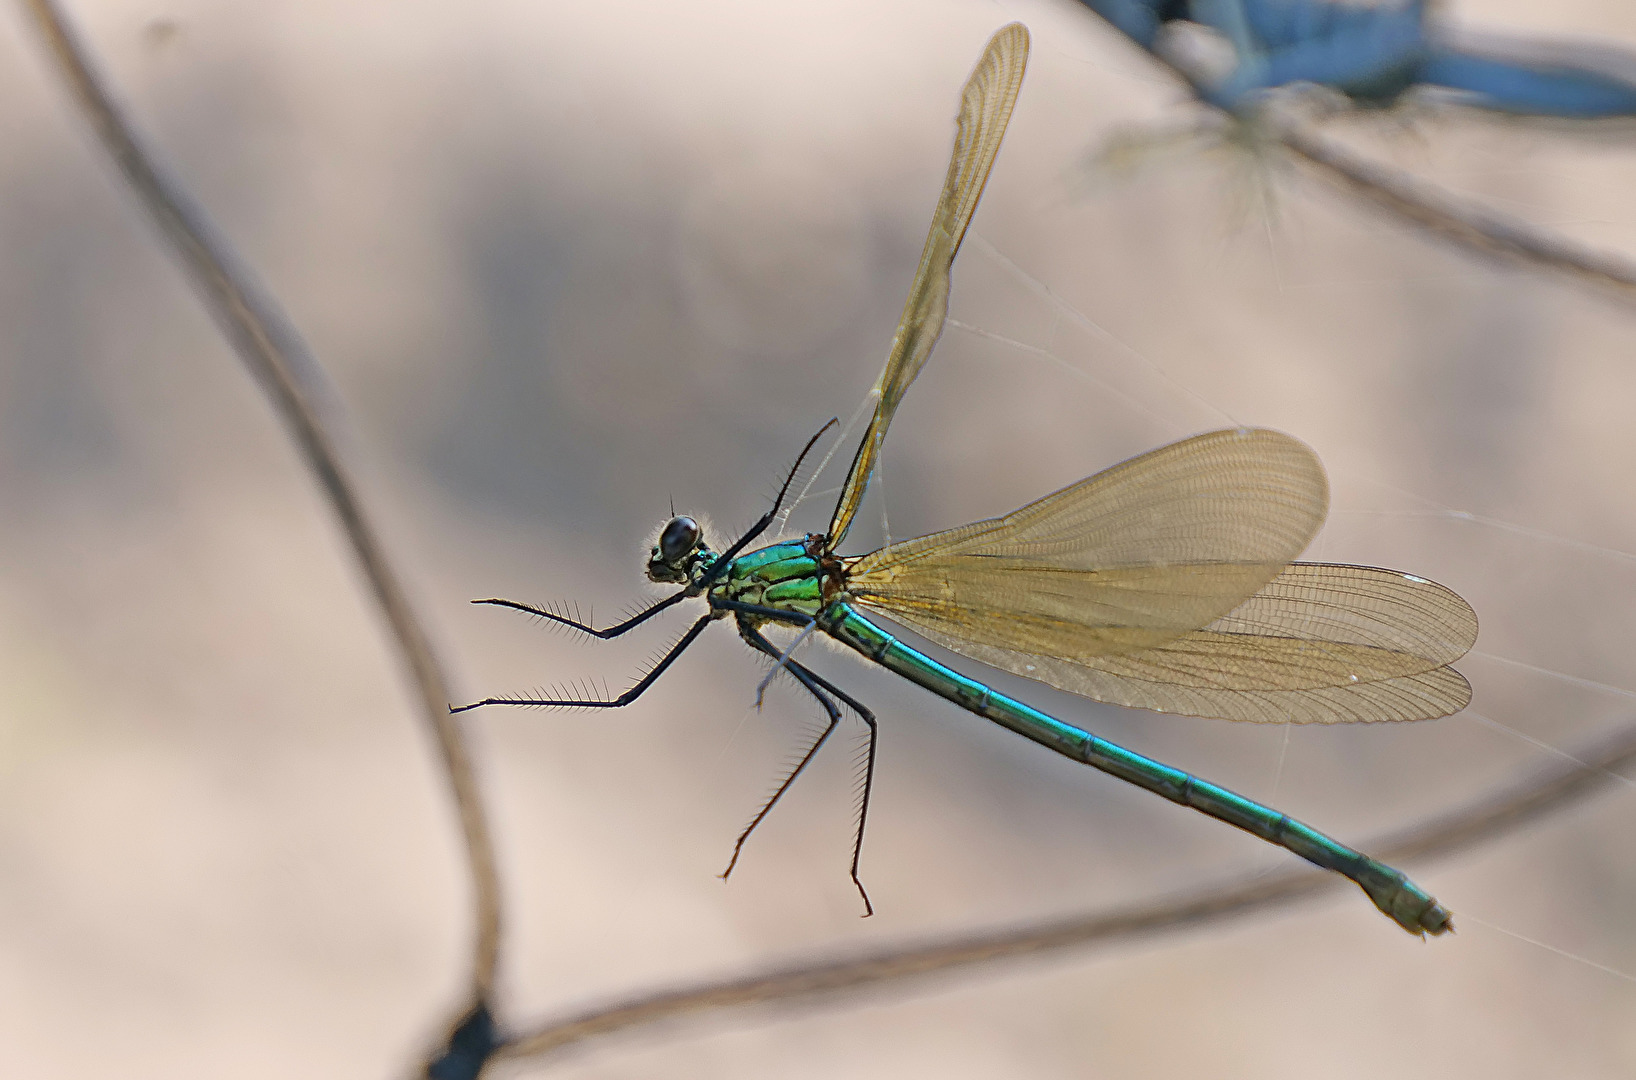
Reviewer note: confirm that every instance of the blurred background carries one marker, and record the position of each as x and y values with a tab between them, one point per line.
572	261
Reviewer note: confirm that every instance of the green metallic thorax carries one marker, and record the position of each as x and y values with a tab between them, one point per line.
786	576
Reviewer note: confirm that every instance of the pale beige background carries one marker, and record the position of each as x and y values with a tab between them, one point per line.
571	260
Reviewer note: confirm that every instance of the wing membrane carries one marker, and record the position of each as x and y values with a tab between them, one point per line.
1128	559
1164	583
985	109
1321	643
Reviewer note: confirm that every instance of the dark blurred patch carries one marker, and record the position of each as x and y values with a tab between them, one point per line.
161	32
473	1041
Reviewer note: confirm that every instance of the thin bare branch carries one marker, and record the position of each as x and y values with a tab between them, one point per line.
301	392
1493	816
1466	224
1430	209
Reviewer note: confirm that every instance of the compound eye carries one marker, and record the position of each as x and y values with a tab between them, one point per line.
677	542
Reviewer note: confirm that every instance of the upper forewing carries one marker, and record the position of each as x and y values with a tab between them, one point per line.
1137	555
985	109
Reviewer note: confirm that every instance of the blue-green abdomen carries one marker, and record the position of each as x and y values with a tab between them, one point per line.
1404	902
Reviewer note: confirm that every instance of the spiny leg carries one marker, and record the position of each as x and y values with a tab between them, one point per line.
761	644
726	558
610	632
868	717
782	661
761	612
807	623
816	684
615	703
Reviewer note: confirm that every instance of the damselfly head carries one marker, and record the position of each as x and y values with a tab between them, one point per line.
672	556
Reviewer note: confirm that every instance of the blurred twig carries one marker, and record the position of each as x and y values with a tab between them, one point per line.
1425	206
1461	222
1492	816
300	390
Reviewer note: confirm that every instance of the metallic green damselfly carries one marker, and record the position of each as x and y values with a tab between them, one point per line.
1165	583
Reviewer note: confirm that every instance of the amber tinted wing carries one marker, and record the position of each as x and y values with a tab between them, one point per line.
1130	558
985	109
1164	584
1321	644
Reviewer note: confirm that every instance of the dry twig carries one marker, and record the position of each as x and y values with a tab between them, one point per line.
304	397
1427	208
1458	221
906	966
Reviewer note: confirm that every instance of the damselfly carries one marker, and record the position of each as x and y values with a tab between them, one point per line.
1163	583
